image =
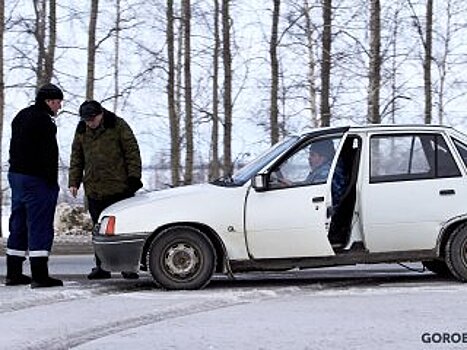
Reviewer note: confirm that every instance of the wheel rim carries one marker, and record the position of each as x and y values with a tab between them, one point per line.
181	260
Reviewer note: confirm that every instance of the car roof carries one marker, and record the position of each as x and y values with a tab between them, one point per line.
377	127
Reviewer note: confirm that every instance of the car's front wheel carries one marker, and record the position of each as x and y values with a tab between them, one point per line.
456	253
182	257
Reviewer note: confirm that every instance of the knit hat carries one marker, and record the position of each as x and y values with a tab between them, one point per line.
49	92
89	109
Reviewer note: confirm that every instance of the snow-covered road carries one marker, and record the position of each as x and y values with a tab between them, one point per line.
365	307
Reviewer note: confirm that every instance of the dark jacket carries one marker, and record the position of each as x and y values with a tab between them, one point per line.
33	145
106	160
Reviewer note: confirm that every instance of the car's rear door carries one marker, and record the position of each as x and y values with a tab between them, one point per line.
413	184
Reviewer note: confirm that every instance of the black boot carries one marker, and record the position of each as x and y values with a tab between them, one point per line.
128	275
98	273
14	271
40	273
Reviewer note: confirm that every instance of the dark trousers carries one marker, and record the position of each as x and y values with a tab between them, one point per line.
33	203
97	206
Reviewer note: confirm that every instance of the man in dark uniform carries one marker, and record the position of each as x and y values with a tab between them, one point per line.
105	157
33	176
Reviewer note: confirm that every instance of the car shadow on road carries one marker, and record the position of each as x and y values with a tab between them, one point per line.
314	279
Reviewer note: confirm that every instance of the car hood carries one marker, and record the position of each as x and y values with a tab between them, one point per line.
151	198
208	204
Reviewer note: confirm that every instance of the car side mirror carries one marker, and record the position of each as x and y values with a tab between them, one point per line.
260	182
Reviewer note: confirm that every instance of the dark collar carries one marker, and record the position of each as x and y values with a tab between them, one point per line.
44	107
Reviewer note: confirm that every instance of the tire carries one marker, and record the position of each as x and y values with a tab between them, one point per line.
439	267
182	257
456	253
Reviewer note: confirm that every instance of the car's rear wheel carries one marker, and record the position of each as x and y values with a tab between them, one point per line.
437	266
182	257
456	253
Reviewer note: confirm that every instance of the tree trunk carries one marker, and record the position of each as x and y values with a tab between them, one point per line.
39	34
117	56
49	57
274	112
427	60
188	99
326	63
311	64
2	102
90	78
443	65
214	165
227	60
173	116
375	63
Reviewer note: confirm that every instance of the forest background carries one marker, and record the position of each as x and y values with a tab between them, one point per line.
208	84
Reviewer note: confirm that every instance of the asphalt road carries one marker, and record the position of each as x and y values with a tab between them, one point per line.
352	307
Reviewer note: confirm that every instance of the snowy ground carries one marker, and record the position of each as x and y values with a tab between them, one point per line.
363	307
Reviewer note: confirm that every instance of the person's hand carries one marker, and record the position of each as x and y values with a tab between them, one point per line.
278	180
74	191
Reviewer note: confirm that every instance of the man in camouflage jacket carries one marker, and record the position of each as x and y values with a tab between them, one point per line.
105	157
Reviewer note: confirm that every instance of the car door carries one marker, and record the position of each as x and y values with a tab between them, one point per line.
413	184
289	218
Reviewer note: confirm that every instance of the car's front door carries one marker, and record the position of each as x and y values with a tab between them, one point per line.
413	185
290	218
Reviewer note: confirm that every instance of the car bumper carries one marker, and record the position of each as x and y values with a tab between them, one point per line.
119	253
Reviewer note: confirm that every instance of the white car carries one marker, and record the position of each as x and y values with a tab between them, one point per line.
386	194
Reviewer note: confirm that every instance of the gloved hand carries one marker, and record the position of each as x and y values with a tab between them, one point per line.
134	184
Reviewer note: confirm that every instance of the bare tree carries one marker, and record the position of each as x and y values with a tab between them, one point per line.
326	63
427	61
188	98
449	34
214	165
311	64
117	55
90	78
50	53
274	110
375	63
2	102
227	60
173	115
426	37
46	40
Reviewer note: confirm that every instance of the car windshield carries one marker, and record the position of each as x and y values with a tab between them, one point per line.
250	169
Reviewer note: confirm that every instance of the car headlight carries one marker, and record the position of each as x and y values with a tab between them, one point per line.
107	226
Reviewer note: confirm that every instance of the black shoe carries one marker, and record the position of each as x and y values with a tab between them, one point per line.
18	280
130	275
98	274
48	282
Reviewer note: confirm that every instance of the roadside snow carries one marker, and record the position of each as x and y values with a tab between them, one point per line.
70	220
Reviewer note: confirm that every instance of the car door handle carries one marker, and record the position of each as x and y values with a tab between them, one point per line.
317	199
447	192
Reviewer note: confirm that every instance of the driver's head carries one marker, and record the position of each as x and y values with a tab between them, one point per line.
320	152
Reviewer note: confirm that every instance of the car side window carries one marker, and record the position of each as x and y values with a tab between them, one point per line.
445	163
410	157
462	149
308	165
